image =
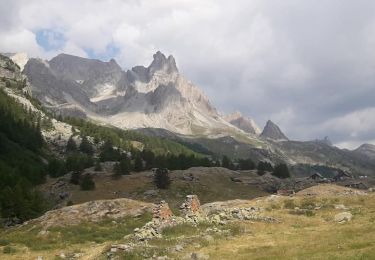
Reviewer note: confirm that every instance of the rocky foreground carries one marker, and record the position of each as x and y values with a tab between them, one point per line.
320	222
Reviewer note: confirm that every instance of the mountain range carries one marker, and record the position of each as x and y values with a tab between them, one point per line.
158	100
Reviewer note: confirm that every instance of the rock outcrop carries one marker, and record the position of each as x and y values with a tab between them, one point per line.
93	211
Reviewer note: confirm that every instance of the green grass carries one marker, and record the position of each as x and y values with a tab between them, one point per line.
63	237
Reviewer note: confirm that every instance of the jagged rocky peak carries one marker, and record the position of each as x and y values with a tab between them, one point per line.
244	123
325	141
161	63
272	131
163	66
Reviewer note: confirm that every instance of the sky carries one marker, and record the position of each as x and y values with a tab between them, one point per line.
307	65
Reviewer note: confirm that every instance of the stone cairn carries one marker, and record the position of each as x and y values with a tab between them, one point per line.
162	217
190	209
162	212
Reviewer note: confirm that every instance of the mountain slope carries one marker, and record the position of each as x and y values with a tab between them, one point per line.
367	150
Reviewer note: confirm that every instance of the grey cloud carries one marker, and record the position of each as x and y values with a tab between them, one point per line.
307	65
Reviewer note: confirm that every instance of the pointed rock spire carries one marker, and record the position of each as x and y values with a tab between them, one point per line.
161	63
272	131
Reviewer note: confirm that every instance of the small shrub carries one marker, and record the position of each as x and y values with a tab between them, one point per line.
309	213
308	203
8	250
289	204
69	203
75	178
4	242
275	206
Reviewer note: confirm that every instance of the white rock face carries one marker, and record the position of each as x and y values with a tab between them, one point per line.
20	59
244	123
157	96
105	91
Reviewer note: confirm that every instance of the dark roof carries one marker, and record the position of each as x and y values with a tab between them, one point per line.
317	174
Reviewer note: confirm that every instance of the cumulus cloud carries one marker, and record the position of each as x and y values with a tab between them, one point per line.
308	66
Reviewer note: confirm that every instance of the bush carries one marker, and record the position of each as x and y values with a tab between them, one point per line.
308	203
75	178
4	242
162	179
87	183
289	204
8	250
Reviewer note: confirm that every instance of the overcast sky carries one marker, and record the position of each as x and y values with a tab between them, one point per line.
307	65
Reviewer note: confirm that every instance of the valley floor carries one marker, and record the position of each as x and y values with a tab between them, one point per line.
307	228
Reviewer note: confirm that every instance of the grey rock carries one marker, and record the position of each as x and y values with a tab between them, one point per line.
343	217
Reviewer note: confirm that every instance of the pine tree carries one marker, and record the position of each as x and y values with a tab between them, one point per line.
56	168
281	171
71	146
162	179
87	183
122	168
246	164
138	163
86	146
226	163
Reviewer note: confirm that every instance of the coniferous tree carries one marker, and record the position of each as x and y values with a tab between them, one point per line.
71	146
87	183
149	157
123	167
246	164
138	163
162	179
86	146
56	167
263	167
281	171
226	163
108	153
